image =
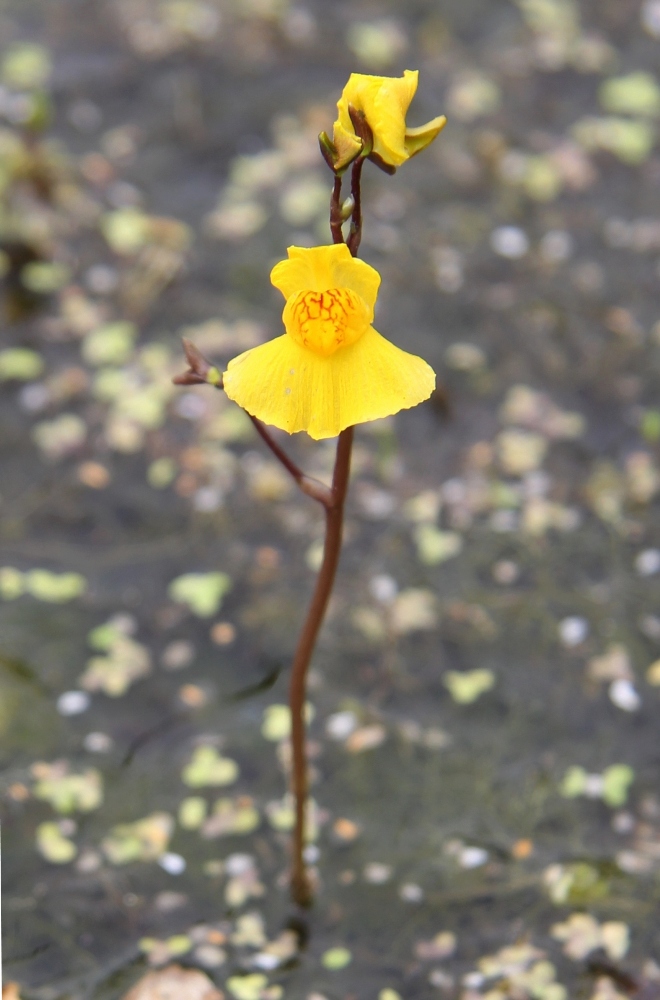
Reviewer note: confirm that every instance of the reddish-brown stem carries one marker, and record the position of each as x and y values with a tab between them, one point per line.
335	211
332	499
314	488
301	889
355	234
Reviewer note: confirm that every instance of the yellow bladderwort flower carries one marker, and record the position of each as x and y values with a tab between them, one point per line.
330	369
384	102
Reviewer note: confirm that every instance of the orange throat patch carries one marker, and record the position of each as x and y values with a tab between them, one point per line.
326	321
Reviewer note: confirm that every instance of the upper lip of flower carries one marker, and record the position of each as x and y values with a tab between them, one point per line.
384	102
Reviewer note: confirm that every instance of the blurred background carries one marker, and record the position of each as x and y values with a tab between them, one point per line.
484	701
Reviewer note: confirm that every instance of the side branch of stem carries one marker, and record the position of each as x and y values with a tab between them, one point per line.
313	488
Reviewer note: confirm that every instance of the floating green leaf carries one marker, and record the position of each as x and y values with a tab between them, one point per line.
126	662
161	473
414	609
377	43
110	345
650	426
20	363
160	952
232	816
12	583
435	546
192	812
303	201
635	94
611	786
616	782
247	987
466	687
44	278
105	636
208	767
202	592
473	94
68	792
631	141
54	588
520	452
336	958
144	840
577	883
26	66
126	230
58	437
276	723
53	845
281	816
249	932
574	783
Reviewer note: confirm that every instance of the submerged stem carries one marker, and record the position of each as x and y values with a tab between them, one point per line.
301	889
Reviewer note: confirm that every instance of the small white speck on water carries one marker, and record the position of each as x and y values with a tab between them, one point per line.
383	587
311	854
377	873
651	17
190	406
647	562
98	743
624	696
173	864
472	857
573	630
411	893
238	864
73	702
557	245
509	241
340	725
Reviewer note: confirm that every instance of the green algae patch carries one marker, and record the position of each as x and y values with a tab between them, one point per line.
201	592
144	840
208	767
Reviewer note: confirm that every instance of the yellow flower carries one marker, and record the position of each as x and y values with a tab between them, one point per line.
384	102
330	369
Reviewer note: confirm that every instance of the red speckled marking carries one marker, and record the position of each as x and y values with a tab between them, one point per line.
323	321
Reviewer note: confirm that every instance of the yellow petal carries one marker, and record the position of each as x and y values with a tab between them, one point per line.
419	138
291	387
316	269
385	101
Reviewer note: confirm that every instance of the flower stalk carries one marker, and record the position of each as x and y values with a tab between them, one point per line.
331	369
301	887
